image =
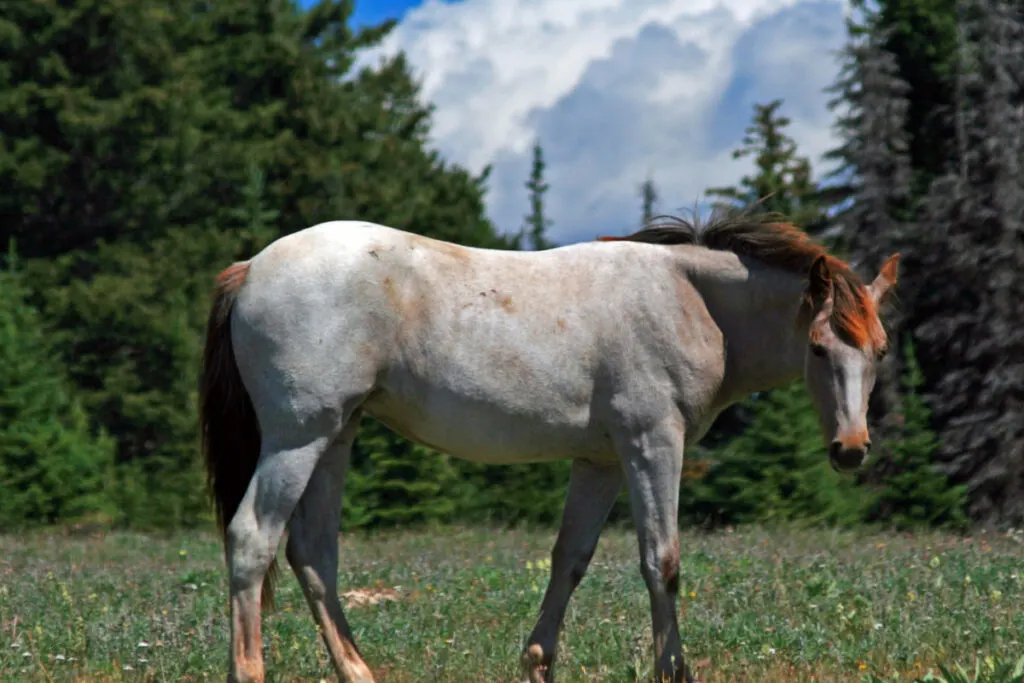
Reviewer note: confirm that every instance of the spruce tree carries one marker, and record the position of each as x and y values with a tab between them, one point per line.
648	198
781	181
777	470
53	469
872	191
395	482
914	493
536	223
190	135
969	315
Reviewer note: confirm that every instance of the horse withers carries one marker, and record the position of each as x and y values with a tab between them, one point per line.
616	354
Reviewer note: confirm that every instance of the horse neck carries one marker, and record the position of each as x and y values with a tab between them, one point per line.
757	308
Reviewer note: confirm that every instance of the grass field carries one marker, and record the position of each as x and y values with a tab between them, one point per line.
457	605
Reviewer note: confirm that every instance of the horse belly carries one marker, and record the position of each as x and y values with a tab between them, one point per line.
481	432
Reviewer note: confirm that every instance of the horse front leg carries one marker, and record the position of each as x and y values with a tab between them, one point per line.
592	492
653	460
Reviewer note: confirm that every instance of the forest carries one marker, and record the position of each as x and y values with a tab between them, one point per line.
147	144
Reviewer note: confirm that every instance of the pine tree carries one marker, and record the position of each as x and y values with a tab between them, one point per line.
648	197
776	471
536	222
969	316
52	468
875	215
190	135
395	482
781	181
873	197
913	492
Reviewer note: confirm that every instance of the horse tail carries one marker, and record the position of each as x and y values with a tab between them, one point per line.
229	431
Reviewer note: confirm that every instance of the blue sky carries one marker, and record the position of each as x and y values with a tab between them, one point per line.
375	11
615	91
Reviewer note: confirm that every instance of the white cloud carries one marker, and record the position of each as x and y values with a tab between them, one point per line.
616	90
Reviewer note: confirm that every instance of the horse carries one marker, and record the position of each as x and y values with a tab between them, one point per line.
616	353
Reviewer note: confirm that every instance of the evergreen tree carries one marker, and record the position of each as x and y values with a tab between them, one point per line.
777	470
536	222
781	181
52	468
874	162
913	492
922	36
969	315
169	139
89	117
393	482
873	195
648	197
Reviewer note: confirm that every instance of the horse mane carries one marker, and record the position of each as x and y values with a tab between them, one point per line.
776	242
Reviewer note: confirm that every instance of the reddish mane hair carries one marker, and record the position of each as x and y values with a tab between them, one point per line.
776	242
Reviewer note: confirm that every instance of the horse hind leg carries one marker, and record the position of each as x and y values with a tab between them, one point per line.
312	552
591	495
253	537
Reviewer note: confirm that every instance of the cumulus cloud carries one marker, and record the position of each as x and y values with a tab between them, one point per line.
616	90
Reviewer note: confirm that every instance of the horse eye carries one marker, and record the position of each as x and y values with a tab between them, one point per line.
818	350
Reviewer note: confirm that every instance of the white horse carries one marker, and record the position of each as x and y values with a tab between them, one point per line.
616	354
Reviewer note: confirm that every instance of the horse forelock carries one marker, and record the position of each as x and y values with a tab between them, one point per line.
776	242
854	314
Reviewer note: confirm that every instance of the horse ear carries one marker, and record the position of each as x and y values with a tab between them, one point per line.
819	281
886	278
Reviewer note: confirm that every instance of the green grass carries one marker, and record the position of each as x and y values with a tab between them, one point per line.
755	606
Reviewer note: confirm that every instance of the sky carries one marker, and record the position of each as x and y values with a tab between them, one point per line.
615	91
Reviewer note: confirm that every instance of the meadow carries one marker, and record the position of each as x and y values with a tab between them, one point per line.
456	605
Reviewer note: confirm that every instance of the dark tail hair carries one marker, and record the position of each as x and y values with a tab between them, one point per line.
230	434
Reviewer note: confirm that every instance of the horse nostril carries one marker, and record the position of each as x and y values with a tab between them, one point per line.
835	448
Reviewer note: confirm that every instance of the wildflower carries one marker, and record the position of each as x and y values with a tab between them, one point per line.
693	594
60	658
878	627
142	643
862	666
911	596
